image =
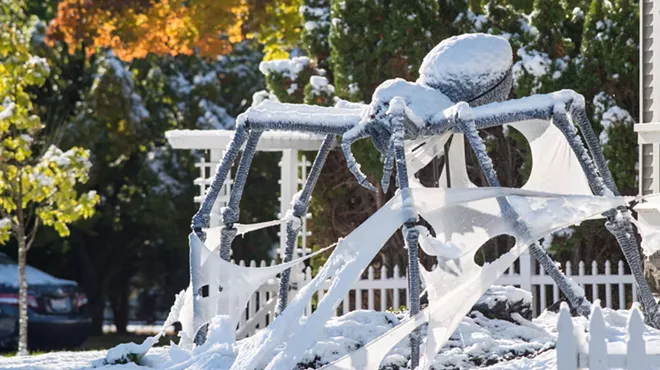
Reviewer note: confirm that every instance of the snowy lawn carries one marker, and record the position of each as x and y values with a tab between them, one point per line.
477	343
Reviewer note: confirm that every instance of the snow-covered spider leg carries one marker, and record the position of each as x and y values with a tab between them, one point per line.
352	136
230	213
300	206
620	227
465	123
342	121
388	166
579	115
553	107
396	112
202	218
267	116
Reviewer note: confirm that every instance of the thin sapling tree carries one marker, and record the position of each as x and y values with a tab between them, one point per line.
37	180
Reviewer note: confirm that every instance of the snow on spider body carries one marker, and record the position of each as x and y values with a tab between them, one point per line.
452	72
463	86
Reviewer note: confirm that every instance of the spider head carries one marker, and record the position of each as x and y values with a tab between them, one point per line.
378	126
474	68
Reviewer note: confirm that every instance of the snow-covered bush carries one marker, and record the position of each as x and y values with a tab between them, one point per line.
319	91
286	78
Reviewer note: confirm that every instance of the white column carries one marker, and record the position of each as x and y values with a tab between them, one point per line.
223	197
527	263
288	187
304	166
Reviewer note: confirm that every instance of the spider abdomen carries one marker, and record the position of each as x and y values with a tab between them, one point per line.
474	68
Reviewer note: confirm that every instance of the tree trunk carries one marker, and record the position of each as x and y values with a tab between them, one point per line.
92	284
96	308
119	303
22	295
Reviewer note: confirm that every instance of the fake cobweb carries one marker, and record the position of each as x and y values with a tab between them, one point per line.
555	167
465	217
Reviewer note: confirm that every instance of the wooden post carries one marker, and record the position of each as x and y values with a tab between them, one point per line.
383	292
543	303
567	354
608	286
597	339
622	296
594	286
370	292
636	347
526	275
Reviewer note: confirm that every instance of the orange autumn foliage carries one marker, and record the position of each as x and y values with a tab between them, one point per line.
135	28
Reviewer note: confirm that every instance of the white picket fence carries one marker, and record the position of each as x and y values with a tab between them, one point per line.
575	351
380	290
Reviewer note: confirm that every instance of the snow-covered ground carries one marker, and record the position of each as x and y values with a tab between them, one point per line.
139	328
478	342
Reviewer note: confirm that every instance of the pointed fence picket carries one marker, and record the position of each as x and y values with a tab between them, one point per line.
384	289
576	350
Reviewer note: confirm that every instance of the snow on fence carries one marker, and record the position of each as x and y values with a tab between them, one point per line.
575	351
380	289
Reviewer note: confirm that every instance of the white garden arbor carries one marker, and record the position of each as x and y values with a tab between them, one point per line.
293	167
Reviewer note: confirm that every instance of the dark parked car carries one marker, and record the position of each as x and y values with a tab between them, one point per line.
55	309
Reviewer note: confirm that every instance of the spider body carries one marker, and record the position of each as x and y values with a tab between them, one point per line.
463	86
454	71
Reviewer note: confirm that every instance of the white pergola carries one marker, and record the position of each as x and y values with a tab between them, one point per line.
293	168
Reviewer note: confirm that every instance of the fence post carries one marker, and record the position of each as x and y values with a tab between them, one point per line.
288	187
597	335
526	275
636	346
567	353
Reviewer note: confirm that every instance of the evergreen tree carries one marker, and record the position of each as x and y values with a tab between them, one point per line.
357	63
548	17
411	29
316	28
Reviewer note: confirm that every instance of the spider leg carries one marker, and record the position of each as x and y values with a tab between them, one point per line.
388	166
579	115
343	121
620	227
352	164
231	212
380	137
267	116
554	107
464	120
300	206
230	215
396	112
202	218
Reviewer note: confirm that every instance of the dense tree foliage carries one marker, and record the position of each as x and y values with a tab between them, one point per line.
135	28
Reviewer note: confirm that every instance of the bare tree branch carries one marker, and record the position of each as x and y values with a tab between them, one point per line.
33	234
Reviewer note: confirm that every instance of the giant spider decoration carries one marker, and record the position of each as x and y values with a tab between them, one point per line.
463	86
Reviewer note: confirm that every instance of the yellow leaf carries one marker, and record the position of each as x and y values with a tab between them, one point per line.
275	52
